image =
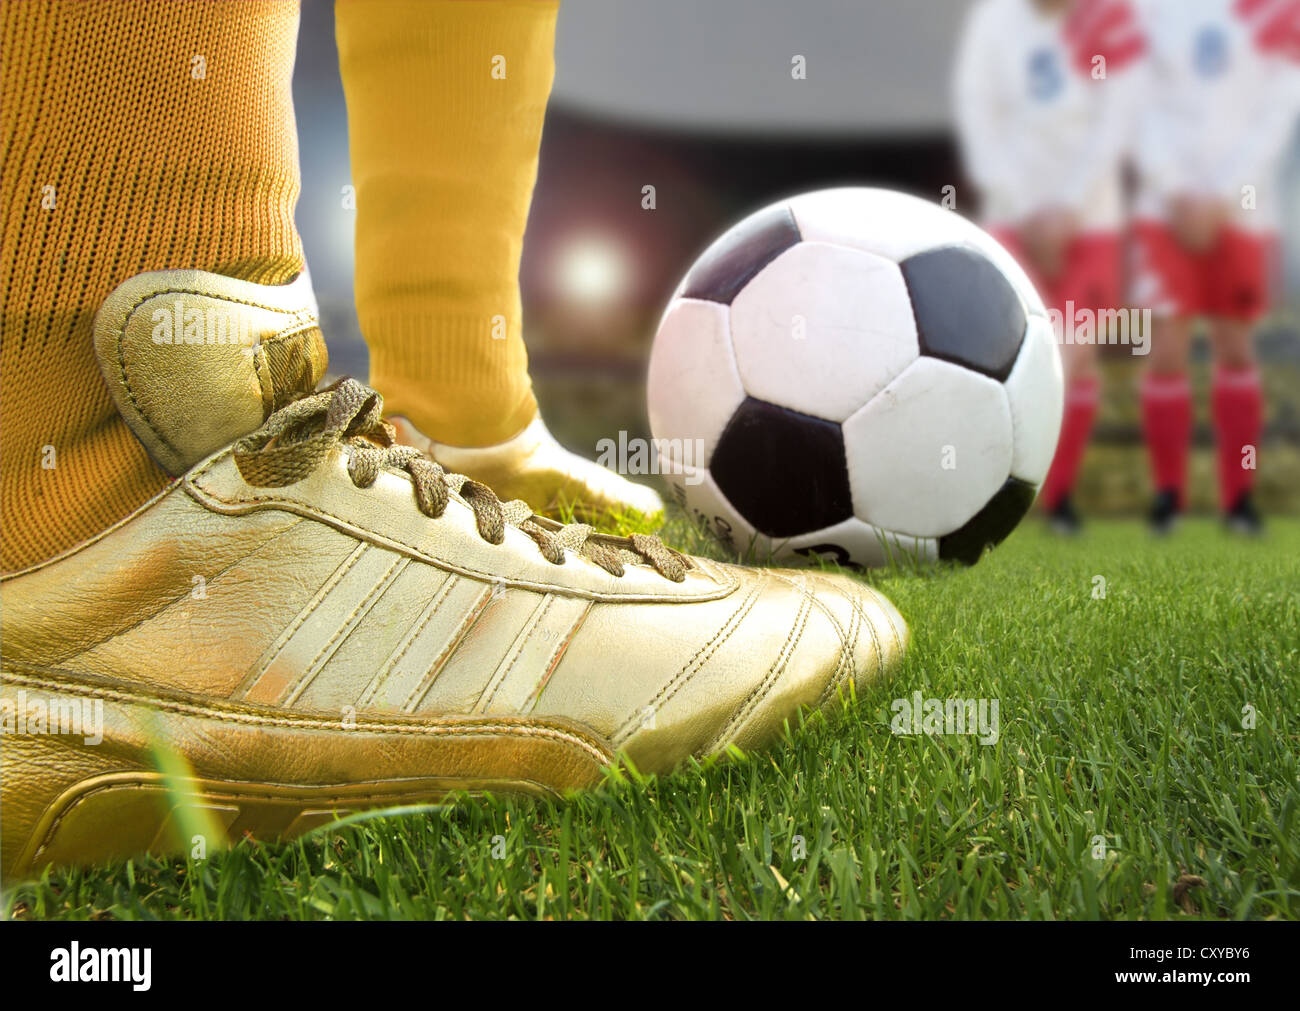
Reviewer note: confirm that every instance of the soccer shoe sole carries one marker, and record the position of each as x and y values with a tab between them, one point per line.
175	772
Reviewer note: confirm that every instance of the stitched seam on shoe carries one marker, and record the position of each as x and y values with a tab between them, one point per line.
289	721
538	616
385	672
120	335
236	795
875	638
760	692
848	646
346	628
846	668
281	641
693	665
858	619
862	619
886	608
848	642
553	661
315	511
871	628
430	677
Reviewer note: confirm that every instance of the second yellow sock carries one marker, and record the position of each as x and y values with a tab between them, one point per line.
445	107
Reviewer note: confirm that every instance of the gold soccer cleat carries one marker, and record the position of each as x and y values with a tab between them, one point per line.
313	618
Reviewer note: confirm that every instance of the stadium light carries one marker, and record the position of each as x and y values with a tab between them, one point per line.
592	270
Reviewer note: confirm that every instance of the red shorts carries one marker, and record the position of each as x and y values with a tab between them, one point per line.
1090	277
1232	280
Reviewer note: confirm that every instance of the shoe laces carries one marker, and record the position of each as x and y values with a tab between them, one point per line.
296	439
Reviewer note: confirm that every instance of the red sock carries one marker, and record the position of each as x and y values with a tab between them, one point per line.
1080	410
1167	425
1238	405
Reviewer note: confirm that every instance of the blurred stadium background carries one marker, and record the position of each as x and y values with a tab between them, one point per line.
697	100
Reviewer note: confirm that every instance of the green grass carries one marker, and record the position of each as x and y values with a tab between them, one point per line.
1121	717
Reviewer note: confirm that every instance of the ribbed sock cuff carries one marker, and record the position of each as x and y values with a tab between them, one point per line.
451	377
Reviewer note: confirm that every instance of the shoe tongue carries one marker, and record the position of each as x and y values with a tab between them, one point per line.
195	360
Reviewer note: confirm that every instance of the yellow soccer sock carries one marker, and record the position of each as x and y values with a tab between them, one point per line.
445	107
137	136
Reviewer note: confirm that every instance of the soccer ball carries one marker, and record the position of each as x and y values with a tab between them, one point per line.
859	374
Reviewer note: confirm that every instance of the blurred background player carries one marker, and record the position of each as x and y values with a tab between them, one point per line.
1219	107
1044	103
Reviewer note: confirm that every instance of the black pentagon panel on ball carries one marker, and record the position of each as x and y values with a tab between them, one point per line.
784	471
991	525
966	310
731	262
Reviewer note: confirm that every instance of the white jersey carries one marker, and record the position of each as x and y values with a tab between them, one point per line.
1045	107
1221	100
